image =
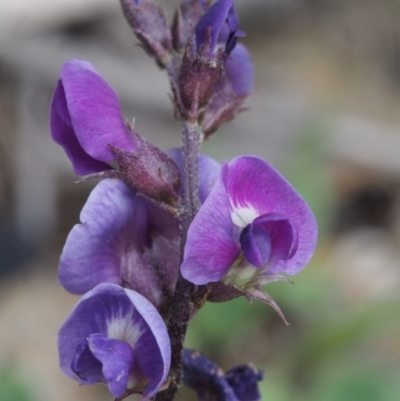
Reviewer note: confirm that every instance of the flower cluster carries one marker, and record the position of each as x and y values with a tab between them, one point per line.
164	232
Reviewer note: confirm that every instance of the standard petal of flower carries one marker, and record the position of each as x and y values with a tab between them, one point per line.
210	248
255	188
118	314
107	242
94	110
63	133
239	70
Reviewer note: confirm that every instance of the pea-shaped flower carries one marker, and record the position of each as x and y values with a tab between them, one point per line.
253	226
86	120
115	336
127	240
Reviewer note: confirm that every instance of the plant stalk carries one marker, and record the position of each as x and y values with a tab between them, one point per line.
181	308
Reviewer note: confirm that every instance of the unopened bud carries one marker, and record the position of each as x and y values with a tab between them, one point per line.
148	22
198	76
149	171
186	17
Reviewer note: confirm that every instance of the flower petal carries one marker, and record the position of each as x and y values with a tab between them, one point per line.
215	18
256	245
116	358
113	221
254	185
123	315
268	238
155	363
239	70
86	103
63	133
85	365
210	247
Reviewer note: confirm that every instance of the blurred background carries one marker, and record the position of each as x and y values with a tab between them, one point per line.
326	112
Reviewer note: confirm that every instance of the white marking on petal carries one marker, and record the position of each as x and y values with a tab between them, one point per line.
121	328
243	215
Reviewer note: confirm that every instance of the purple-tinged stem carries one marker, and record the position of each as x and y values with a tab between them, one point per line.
181	309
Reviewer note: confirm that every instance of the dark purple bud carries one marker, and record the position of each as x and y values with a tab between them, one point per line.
231	92
244	381
186	17
149	23
149	171
198	76
211	384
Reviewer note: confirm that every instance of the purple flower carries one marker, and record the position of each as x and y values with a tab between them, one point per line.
85	117
221	21
86	120
210	382
115	336
252	226
125	239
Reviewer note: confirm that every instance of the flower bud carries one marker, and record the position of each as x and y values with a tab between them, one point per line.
233	89
148	22
206	54
149	171
185	19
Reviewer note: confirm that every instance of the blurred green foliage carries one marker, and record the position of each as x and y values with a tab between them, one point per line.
13	387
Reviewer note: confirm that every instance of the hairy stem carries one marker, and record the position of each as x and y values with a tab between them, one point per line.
181	309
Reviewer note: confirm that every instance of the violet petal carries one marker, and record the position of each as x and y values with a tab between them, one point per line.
123	315
215	18
116	358
211	247
152	351
63	133
239	70
256	245
255	188
109	238
282	233
85	365
93	109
